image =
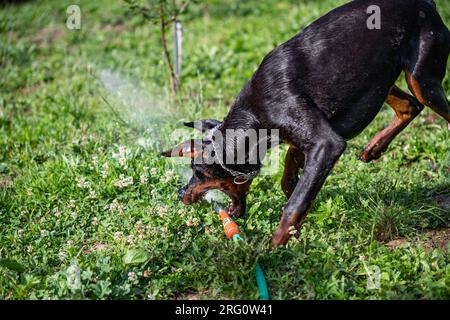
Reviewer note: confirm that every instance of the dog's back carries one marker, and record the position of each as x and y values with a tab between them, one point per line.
345	68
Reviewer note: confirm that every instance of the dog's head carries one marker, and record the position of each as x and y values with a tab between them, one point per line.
208	174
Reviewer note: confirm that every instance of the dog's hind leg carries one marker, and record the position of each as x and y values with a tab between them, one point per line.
427	65
295	159
322	147
406	108
429	91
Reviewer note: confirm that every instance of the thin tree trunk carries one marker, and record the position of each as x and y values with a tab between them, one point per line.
173	77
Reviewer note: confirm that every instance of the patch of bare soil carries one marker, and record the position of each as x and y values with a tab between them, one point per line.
191	295
431	118
32	89
5	182
96	247
48	35
429	240
115	28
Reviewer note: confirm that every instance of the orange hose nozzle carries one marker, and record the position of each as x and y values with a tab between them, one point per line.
229	226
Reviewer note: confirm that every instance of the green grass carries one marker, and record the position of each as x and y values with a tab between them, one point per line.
77	235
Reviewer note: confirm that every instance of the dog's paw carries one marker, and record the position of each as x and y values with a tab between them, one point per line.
370	153
283	233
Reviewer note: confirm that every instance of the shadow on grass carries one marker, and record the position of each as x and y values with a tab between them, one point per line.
384	211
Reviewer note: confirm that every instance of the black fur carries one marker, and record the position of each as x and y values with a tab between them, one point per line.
326	84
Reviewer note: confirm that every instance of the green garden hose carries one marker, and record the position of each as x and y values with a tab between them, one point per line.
232	232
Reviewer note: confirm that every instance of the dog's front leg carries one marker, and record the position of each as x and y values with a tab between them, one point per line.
322	147
295	159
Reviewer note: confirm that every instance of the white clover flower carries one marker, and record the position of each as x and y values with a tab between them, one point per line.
139	225
56	212
123	182
74	214
115	205
123	151
62	255
72	204
168	176
208	230
153	171
162	211
118	236
94	221
130	239
162	230
143	179
122	156
140	229
92	194
132	276
123	163
69	242
82	183
192	222
95	160
44	233
104	171
29	248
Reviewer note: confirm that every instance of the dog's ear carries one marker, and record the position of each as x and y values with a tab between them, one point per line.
190	148
203	125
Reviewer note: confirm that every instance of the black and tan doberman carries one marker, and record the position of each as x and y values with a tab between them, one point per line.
321	88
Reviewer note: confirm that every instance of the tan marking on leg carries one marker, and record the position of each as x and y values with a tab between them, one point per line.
406	108
414	87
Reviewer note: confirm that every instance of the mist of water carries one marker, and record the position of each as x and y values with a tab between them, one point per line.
146	114
149	117
216	196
